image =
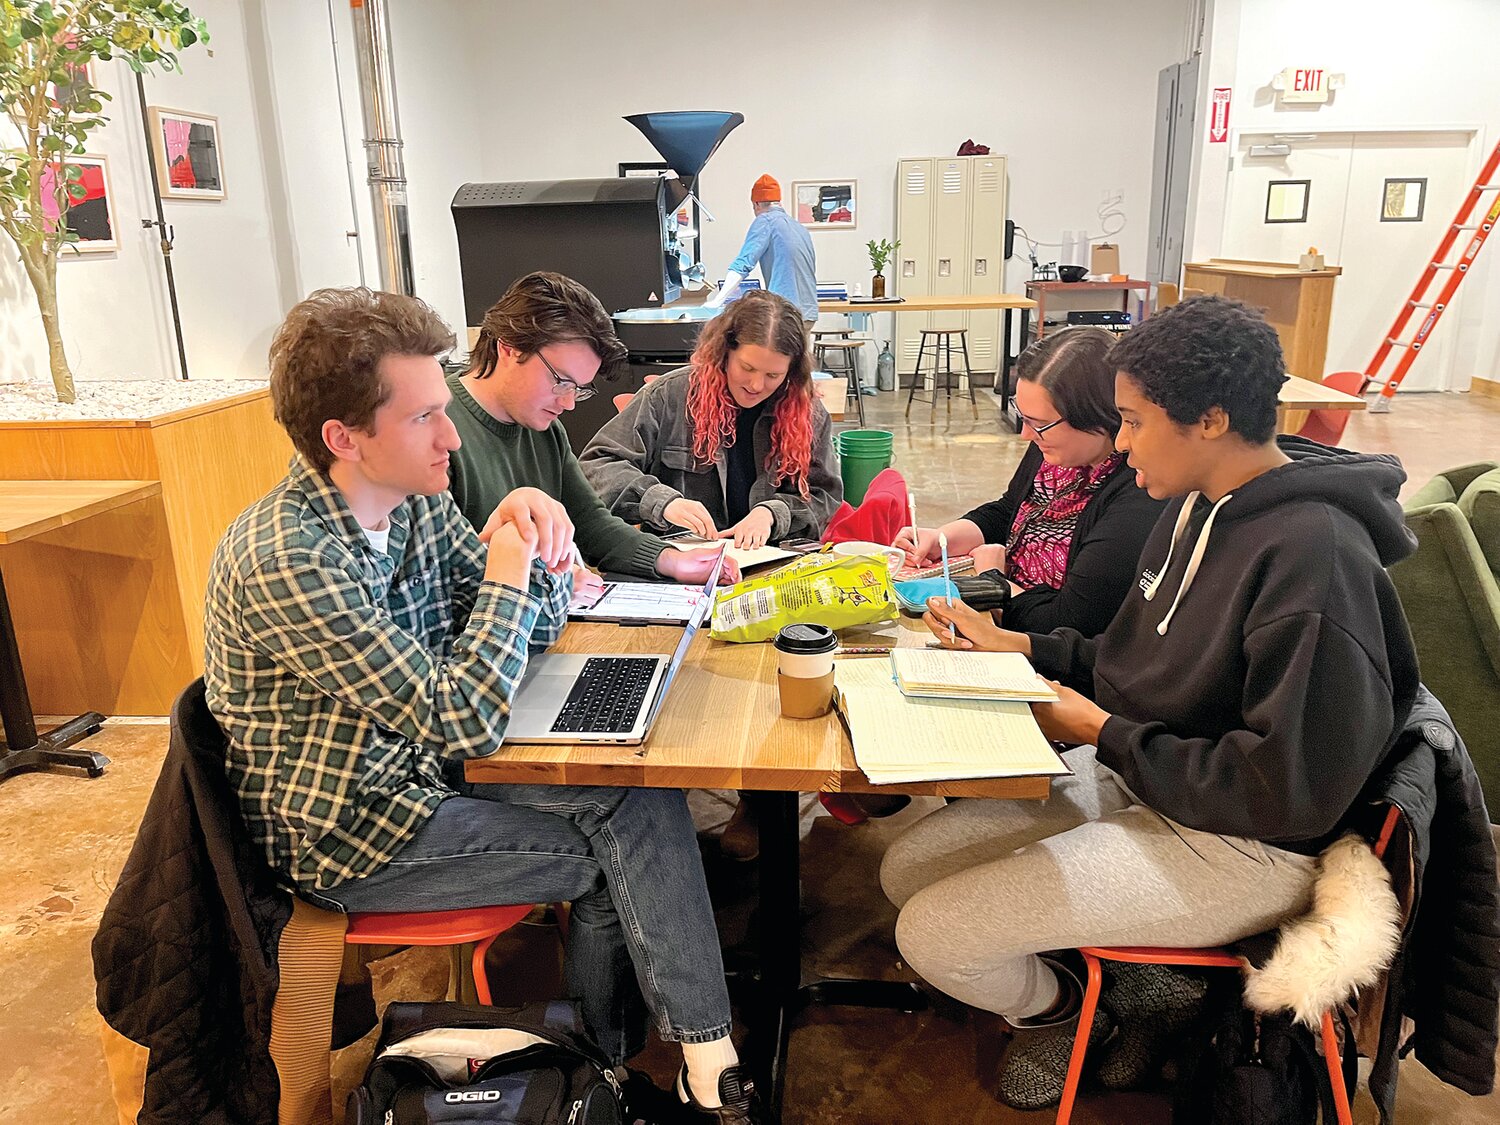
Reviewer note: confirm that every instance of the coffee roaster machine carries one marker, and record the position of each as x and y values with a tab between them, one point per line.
620	237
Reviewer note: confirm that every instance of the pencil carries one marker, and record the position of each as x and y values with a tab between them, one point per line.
912	504
947	584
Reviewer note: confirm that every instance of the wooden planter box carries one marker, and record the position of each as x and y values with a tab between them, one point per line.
109	611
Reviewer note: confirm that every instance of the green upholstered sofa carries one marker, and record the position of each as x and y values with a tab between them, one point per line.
1451	592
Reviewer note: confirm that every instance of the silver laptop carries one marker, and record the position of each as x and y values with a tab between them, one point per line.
575	697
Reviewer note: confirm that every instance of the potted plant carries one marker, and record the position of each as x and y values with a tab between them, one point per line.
48	94
880	254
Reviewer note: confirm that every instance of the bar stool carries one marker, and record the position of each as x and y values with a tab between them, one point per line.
942	364
847	352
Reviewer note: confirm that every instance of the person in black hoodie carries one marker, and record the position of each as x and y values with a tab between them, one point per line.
1071	524
1225	722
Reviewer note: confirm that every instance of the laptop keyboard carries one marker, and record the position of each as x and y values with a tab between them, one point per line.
607	695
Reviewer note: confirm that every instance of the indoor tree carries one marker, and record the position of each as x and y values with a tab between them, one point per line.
53	107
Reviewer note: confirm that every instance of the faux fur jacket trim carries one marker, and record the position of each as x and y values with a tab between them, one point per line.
1340	946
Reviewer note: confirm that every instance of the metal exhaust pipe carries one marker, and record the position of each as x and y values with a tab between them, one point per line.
383	159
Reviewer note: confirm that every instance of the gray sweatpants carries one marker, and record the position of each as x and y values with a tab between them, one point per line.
984	885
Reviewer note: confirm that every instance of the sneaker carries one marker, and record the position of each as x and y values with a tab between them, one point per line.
741	1105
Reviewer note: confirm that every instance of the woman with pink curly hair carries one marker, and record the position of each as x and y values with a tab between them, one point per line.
732	446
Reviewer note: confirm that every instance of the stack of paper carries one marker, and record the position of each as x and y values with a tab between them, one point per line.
900	739
946	674
745	556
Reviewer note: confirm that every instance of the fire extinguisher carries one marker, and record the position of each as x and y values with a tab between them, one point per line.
885	368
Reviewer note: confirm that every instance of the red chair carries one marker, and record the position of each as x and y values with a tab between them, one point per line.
622	400
1197	958
440	927
1327	426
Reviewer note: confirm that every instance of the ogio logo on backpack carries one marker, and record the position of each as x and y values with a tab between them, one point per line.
453	1097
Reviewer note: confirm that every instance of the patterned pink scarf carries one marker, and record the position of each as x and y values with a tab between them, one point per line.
1036	554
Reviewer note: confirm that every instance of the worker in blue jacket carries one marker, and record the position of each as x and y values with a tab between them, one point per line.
783	249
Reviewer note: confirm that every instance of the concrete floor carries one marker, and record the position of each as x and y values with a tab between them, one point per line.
63	840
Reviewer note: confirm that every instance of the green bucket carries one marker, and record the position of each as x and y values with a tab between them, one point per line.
863	455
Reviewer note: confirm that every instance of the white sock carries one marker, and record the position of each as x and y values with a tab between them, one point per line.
705	1062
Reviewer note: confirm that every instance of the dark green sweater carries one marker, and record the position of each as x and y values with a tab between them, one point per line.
500	456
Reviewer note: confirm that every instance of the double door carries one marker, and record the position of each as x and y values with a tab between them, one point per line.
1375	203
950	219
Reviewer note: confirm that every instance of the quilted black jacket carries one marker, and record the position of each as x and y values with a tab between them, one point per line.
1447	974
184	960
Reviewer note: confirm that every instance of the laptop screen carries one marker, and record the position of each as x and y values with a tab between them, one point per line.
688	634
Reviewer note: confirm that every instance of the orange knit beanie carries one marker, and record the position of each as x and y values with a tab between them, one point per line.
766	190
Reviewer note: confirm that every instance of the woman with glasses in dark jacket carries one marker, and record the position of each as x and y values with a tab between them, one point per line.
1071	525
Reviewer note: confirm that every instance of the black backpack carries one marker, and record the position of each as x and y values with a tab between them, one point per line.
1250	1069
458	1064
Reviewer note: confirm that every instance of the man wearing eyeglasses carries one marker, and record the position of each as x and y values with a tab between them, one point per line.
539	350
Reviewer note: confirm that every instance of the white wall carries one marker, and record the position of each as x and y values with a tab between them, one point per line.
232	257
493	92
842	94
1407	67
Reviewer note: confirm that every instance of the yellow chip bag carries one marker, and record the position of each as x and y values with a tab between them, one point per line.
822	589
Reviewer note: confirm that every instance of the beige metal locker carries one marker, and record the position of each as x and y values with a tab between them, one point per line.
986	261
950	218
913	274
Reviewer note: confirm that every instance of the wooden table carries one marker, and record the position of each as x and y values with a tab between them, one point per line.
1297	396
720	729
1007	303
1128	289
29	509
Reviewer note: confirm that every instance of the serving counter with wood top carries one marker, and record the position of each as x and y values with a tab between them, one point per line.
1297	303
146	565
46	515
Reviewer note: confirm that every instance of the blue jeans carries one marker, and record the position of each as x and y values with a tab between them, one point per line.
627	859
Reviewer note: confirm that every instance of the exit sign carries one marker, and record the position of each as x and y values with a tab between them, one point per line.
1304	84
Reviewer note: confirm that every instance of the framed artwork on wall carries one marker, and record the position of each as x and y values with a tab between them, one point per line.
1286	201
91	215
79	80
826	204
189	163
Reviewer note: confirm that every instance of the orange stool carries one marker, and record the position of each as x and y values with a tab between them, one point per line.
481	925
1201	958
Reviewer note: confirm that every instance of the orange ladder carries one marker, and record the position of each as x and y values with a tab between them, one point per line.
1456	271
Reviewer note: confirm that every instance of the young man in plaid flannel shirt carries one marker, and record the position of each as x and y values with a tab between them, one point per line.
363	641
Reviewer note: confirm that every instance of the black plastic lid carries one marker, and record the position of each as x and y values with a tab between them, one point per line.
806	639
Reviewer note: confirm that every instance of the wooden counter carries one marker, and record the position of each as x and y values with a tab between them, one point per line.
212	461
1297	303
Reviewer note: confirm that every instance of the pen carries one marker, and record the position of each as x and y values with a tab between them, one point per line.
947	584
912	504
